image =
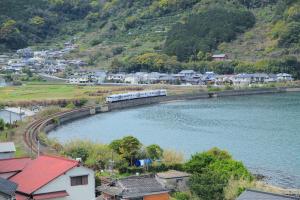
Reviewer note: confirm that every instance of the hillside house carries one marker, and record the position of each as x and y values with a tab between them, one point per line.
7	150
7	190
49	177
134	188
174	180
219	57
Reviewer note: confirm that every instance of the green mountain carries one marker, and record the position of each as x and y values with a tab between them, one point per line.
161	35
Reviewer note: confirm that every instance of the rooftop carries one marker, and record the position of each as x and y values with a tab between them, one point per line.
6	147
41	171
134	186
172	174
7	187
13	164
258	195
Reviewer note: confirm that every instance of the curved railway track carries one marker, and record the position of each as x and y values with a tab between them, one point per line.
32	131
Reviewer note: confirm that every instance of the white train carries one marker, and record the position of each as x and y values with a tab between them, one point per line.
135	95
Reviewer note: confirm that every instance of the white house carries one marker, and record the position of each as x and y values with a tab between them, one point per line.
284	77
7	150
132	79
52	178
187	73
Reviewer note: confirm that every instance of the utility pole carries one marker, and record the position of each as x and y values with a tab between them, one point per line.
38	148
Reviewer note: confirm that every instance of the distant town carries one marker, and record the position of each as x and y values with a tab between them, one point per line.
51	65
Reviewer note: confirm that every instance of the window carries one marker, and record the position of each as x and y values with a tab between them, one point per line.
79	180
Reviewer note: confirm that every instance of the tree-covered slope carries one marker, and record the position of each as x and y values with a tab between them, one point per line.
164	35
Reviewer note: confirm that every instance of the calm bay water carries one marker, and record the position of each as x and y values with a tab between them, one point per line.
262	131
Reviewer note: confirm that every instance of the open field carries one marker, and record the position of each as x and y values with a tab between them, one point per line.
48	92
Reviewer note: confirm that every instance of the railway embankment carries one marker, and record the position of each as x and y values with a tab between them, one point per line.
31	134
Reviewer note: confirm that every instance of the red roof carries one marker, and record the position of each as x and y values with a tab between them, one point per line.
13	164
21	197
41	171
50	195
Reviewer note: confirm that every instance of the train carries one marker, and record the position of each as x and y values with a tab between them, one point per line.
135	95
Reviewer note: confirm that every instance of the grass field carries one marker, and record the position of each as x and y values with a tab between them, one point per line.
44	92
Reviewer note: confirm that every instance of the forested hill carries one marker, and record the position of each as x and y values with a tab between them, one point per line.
162	35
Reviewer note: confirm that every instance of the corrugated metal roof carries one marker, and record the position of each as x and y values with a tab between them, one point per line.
138	186
13	164
258	195
41	171
7	187
6	147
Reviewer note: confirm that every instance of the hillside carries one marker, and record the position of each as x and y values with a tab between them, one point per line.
160	35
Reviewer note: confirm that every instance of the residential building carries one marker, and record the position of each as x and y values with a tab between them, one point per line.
7	150
144	187
187	73
10	167
50	177
257	195
283	77
116	77
220	57
132	79
174	180
7	189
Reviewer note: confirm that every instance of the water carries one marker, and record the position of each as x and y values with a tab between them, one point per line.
262	131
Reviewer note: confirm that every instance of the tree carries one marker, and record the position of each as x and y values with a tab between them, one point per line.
116	146
154	151
2	124
208	185
129	148
211	172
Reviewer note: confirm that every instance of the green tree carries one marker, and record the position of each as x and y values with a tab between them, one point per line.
130	148
208	185
2	124
154	151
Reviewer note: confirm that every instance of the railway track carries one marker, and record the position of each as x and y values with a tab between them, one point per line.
30	135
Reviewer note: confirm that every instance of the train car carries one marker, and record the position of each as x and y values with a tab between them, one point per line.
135	95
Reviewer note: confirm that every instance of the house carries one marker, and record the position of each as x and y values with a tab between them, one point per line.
7	189
283	77
79	80
174	180
10	167
7	150
134	188
259	77
132	79
50	177
219	57
187	73
257	195
224	79
116	77
209	77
